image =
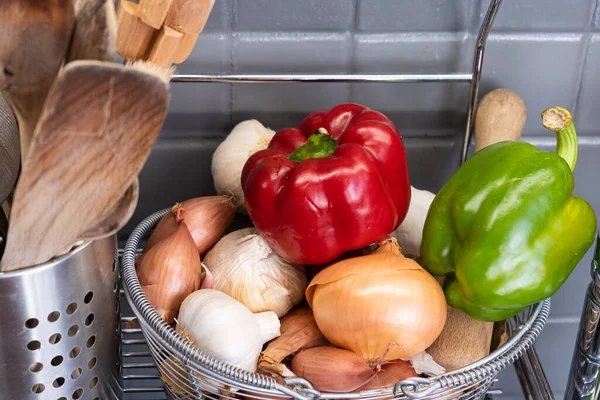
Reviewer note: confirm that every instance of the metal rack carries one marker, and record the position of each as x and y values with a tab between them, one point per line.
139	379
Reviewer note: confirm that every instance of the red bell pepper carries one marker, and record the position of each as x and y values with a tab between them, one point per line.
337	182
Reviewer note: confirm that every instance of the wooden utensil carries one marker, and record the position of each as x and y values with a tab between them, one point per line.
189	16
95	133
154	12
95	31
500	116
134	37
34	38
167	29
10	159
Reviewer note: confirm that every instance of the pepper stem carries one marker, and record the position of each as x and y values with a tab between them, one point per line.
559	120
319	145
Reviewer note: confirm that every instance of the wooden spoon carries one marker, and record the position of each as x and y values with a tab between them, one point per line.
501	116
34	38
95	133
95	32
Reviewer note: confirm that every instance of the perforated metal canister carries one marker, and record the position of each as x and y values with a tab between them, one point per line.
58	326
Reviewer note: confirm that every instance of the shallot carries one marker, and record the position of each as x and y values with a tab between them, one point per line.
170	271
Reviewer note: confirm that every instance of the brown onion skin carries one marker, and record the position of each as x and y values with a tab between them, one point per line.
330	369
207	219
390	374
170	271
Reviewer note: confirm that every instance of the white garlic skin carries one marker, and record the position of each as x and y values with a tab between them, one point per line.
244	266
225	329
410	232
229	158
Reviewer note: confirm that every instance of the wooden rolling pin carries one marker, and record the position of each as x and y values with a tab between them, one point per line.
501	116
161	32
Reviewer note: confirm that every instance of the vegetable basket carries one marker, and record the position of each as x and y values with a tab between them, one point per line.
187	373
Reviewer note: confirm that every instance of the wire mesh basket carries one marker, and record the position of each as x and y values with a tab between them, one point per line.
188	373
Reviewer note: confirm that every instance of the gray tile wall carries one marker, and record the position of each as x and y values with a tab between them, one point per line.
548	52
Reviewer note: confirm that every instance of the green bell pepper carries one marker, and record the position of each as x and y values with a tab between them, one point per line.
505	229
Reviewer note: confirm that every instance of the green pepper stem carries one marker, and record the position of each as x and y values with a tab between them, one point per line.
319	145
559	120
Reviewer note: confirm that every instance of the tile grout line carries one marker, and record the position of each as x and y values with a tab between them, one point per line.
583	60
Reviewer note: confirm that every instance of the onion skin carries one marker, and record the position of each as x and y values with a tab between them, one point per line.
207	219
382	306
390	374
170	271
299	331
330	369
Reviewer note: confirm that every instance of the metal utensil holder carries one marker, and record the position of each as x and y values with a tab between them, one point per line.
58	337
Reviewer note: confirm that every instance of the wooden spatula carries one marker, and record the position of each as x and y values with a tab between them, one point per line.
95	133
34	38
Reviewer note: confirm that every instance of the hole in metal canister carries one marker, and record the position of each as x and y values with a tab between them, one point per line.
73	330
88	297
58	382
94	382
71	308
56	361
36	367
76	373
31	323
53	316
34	345
75	352
55	338
38	388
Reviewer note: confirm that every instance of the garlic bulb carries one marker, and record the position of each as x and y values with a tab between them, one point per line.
228	160
410	233
223	328
243	265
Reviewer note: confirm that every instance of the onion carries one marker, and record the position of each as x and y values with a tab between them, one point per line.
332	370
170	271
207	219
381	306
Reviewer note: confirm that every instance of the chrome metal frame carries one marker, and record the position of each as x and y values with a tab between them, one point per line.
583	380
